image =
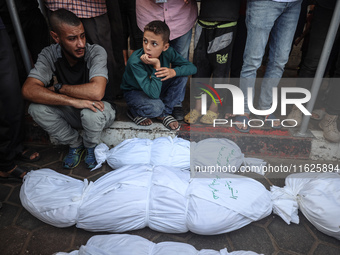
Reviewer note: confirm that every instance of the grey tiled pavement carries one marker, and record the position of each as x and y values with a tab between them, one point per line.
21	233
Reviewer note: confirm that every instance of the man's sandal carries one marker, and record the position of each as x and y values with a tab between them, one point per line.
137	120
192	116
168	120
209	117
271	117
242	119
26	155
15	174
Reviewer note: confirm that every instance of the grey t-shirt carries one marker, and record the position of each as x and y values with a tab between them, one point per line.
52	62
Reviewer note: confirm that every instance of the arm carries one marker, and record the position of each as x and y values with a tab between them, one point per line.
34	90
150	84
94	90
182	66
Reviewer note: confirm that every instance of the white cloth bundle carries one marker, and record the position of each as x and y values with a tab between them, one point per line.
177	152
218	153
136	196
130	244
317	195
160	151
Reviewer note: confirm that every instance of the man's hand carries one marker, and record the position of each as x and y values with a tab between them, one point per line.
165	72
92	105
150	61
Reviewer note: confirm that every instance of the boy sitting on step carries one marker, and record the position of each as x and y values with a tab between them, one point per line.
151	82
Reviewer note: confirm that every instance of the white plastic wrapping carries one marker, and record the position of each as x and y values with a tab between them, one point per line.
177	152
317	195
160	151
130	244
133	197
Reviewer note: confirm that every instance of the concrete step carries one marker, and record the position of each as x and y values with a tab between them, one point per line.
259	142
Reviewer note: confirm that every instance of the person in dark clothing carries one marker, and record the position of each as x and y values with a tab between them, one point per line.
323	13
11	114
34	27
214	38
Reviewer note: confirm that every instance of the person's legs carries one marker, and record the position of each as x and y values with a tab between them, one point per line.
136	35
203	71
182	46
142	105
281	38
171	90
260	18
94	123
329	122
11	111
60	122
125	28
319	29
10	95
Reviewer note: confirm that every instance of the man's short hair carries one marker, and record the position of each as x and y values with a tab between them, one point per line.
159	27
63	16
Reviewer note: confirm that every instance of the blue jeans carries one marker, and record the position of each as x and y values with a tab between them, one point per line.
182	45
140	104
264	18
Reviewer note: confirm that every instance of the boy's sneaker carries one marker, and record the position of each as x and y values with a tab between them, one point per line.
90	159
73	157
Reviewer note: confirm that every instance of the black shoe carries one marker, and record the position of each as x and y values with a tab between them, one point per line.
178	113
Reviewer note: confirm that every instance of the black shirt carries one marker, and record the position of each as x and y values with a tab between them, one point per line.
219	10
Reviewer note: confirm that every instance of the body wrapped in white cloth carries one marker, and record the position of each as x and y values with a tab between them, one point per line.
177	152
133	197
317	195
129	244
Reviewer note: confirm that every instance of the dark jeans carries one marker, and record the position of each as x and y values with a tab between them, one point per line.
11	106
319	29
140	104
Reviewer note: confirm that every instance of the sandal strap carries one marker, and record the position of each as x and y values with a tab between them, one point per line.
17	172
139	120
167	120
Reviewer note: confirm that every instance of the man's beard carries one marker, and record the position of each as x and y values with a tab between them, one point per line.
68	53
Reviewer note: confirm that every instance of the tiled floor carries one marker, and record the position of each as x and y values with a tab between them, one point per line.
21	233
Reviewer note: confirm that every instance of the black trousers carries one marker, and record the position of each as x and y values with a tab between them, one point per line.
129	22
36	34
11	106
319	29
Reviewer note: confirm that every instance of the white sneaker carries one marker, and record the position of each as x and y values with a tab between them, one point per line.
296	115
330	129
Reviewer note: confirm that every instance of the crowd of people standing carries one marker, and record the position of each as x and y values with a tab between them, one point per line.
91	51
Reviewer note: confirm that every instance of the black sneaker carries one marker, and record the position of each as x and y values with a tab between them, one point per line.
178	113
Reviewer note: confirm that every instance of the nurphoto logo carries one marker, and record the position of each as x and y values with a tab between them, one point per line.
238	105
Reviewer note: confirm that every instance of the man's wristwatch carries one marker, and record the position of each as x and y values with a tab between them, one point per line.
57	87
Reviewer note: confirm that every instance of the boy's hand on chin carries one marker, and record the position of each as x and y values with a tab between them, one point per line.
151	61
165	72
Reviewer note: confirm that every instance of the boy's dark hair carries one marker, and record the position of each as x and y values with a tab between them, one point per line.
159	27
63	16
